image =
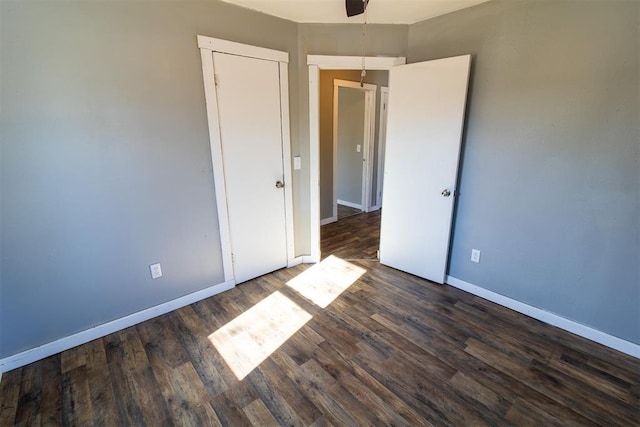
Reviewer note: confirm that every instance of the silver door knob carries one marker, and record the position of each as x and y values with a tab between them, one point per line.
279	184
446	192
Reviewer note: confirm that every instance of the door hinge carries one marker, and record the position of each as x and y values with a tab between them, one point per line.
216	80
233	259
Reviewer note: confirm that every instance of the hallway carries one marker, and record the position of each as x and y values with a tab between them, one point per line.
356	237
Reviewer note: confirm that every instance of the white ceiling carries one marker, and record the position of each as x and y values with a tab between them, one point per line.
378	11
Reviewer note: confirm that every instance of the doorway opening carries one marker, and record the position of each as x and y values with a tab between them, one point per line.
350	145
318	159
351	119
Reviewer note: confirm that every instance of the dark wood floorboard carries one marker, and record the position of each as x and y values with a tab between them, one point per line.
391	349
353	237
345	211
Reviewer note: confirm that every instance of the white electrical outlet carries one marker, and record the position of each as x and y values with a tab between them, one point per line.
475	255
156	270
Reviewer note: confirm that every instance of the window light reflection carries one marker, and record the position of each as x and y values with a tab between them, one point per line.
250	338
325	281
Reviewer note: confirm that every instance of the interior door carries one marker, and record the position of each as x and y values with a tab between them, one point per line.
248	96
350	134
424	131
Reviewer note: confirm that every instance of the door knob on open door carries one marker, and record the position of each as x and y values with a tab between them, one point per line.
279	184
446	192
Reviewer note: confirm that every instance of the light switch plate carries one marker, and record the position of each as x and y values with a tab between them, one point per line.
297	163
358	148
475	255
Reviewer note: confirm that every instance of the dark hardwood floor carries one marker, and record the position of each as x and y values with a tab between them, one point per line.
391	349
353	237
346	211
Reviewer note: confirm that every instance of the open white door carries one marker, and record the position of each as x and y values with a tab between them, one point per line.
424	131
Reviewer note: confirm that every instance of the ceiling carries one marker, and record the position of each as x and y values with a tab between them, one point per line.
378	11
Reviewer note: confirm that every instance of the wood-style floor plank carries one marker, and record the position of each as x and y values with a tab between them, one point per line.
259	414
29	403
268	380
76	401
51	397
391	349
346	211
9	396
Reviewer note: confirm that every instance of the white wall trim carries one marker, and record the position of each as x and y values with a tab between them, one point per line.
309	259
329	220
367	144
349	204
328	62
294	261
314	161
62	344
286	158
382	137
208	45
216	160
354	85
240	49
334	160
549	318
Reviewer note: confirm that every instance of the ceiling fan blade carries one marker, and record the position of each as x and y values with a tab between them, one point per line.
356	7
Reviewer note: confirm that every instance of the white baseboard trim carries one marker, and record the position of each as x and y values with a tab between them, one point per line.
328	220
24	358
349	204
549	318
310	259
293	262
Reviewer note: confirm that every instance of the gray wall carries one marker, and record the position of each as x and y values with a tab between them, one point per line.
335	39
106	166
350	133
550	188
379	78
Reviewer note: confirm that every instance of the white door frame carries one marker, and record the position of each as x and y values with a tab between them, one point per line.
367	146
382	140
328	62
207	46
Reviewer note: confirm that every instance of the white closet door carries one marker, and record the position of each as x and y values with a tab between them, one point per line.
424	130
248	96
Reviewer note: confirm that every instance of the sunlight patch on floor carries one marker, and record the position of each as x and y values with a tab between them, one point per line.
246	341
325	281
250	338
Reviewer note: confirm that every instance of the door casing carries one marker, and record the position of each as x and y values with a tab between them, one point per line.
382	141
315	64
367	147
207	46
